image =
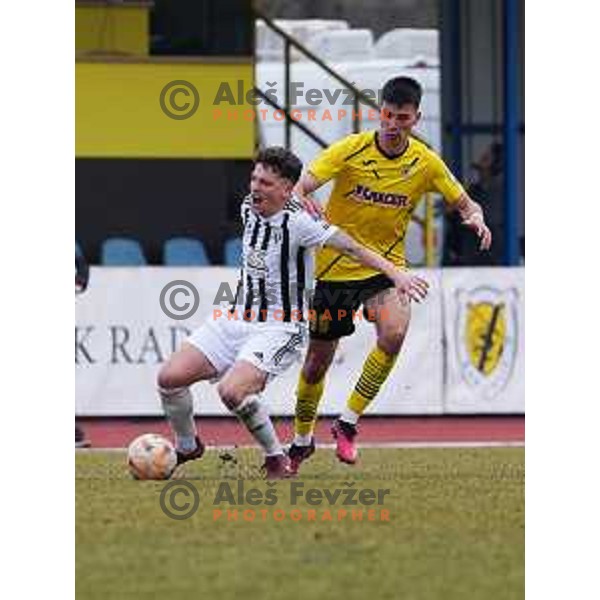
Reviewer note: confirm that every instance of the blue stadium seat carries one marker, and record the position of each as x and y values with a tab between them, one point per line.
122	252
233	252
183	252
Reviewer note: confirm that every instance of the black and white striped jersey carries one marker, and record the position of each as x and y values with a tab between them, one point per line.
277	262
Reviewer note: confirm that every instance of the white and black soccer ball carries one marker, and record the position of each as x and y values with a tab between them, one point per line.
151	456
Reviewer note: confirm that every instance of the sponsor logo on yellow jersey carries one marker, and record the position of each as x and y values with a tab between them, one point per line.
365	194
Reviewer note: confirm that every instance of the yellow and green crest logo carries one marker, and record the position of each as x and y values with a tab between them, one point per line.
487	337
486	330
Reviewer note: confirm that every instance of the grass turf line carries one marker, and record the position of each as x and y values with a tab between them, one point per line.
456	531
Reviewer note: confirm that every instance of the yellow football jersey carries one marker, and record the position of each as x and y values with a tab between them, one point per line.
374	197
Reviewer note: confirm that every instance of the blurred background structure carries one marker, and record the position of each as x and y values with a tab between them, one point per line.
154	189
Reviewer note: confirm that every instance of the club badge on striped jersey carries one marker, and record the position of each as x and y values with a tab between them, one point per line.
486	335
256	261
276	234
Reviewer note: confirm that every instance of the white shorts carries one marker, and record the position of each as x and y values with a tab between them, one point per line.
270	347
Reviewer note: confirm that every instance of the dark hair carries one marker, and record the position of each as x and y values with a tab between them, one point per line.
402	90
285	163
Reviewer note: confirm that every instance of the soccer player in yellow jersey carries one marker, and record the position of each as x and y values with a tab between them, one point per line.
379	178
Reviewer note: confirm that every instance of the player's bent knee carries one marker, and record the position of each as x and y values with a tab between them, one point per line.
391	343
315	367
231	395
167	379
170	378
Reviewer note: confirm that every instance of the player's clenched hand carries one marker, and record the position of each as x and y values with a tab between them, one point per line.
476	223
307	184
311	206
410	287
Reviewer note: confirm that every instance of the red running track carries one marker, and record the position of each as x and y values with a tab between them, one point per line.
225	431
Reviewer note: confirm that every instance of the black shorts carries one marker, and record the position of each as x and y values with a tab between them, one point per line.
336	303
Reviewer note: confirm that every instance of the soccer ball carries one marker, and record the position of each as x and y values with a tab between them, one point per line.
151	456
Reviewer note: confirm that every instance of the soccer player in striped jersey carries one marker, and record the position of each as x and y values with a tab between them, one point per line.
264	334
379	178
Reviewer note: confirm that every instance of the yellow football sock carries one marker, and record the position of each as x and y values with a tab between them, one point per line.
308	396
374	373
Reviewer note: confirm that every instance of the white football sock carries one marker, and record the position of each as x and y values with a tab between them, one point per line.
302	440
178	405
349	416
255	417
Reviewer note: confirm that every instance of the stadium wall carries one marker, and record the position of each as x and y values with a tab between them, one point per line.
126	108
144	174
152	200
464	353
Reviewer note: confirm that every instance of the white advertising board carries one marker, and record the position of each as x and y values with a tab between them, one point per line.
122	336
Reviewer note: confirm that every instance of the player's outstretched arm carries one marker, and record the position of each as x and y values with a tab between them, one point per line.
306	185
409	286
472	217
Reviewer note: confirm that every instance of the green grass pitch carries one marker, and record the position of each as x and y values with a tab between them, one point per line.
455	530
